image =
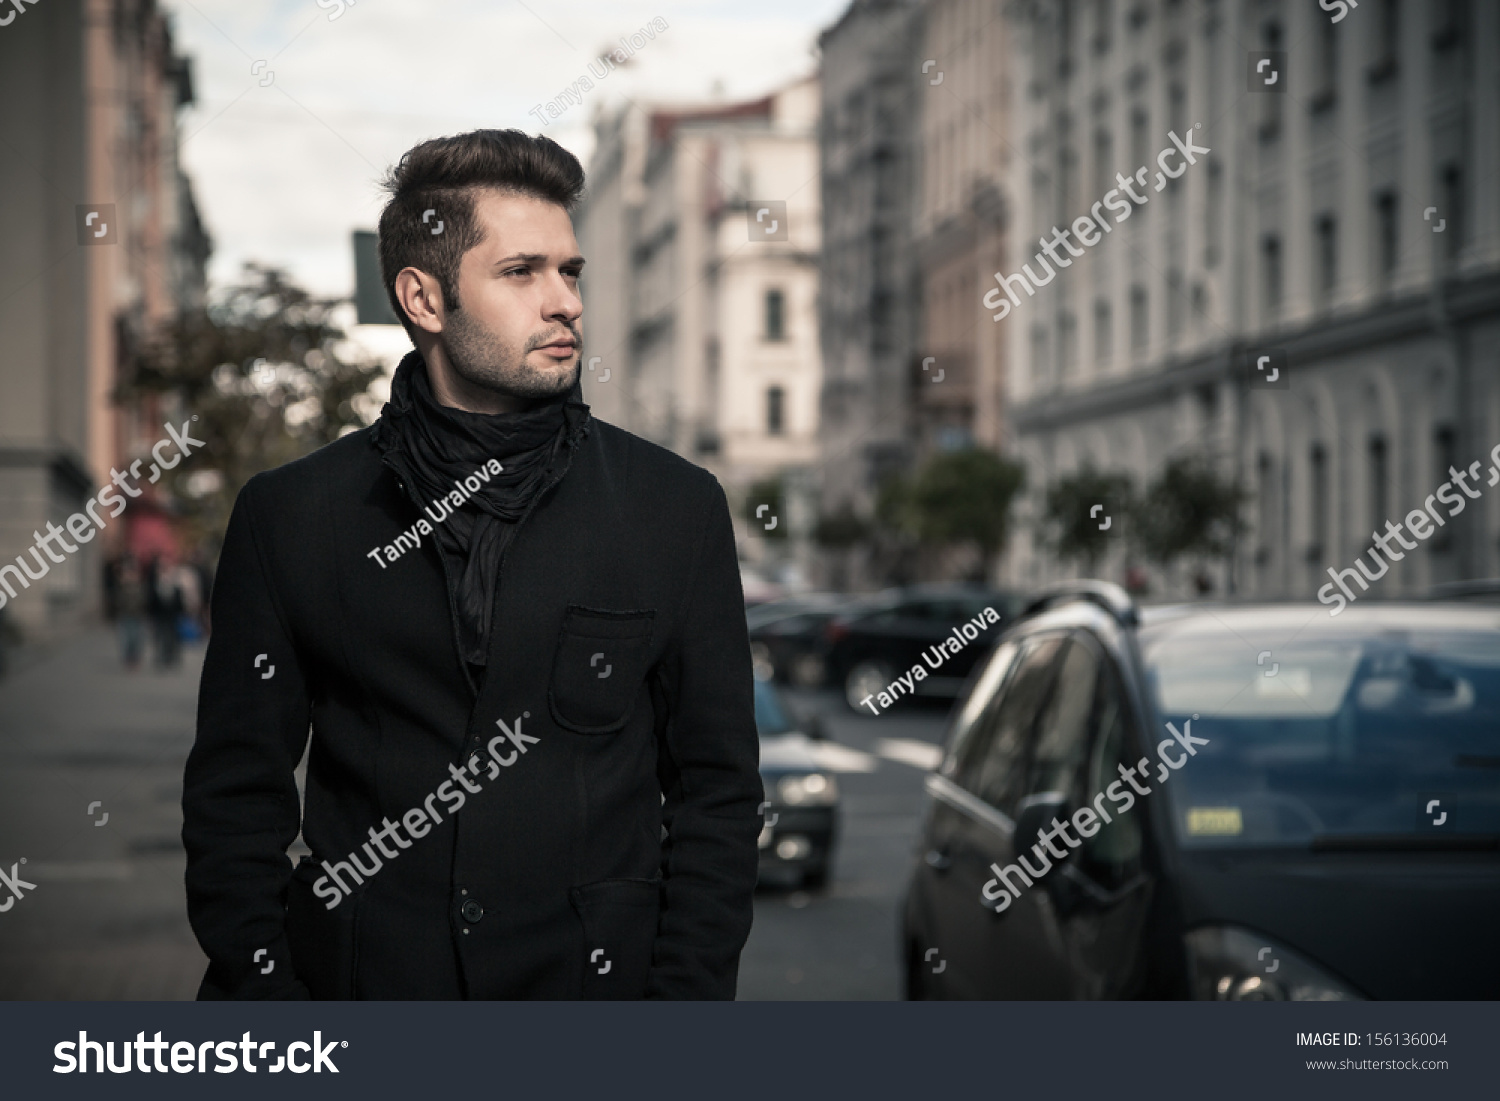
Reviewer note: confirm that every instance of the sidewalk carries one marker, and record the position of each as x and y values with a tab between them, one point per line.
107	919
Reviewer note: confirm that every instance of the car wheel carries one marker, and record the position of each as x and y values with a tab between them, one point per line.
864	680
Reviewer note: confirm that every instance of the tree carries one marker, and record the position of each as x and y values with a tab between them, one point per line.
960	496
267	371
1188	511
840	530
1085	512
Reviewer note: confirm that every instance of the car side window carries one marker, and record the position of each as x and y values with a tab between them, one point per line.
994	766
1113	855
1066	728
979	702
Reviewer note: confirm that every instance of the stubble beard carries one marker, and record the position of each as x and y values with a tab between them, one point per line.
482	359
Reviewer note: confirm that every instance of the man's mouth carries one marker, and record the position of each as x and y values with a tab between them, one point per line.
560	347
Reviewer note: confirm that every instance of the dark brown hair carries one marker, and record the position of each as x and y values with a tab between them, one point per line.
442	176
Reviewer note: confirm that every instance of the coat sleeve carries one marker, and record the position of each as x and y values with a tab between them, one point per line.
711	779
240	805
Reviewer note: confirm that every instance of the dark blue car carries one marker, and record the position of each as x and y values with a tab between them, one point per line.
1218	802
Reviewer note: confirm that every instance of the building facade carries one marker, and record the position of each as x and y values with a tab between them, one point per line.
103	243
870	293
1320	204
701	229
962	155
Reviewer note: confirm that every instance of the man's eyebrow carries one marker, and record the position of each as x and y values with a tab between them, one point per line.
539	258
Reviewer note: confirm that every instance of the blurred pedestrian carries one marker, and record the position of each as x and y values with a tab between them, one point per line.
164	607
128	588
186	580
202	566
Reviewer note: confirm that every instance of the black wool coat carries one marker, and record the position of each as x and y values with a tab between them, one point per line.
581	824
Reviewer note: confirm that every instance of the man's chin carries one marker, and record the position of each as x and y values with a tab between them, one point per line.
554	378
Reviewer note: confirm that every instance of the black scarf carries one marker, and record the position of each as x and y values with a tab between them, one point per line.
435	448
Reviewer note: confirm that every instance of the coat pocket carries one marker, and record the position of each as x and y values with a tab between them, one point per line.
619	929
322	941
601	660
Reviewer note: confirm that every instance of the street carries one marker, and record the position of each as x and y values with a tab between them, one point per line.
90	781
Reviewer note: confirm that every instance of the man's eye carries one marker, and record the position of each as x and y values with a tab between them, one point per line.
517	271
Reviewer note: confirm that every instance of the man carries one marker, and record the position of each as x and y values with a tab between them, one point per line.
518	636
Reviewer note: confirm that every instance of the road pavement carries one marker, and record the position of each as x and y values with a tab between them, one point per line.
841	942
91	764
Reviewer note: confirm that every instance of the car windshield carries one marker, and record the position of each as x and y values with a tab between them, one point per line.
770	716
1336	737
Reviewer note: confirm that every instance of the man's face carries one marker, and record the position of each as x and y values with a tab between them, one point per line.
518	331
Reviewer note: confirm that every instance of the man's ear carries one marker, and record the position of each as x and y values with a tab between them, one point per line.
421	298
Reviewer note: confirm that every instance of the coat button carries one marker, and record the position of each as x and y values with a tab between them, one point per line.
472	911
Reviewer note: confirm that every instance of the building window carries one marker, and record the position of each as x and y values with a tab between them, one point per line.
1177	108
1138	332
1318	476
775	315
1453	208
1067	177
775	411
1213	215
1174	303
1067	343
1445	452
1328	49
1104	177
1039	351
1270	105
1140	140
1389	41
1104	19
1326	231
1270	251
1103	337
1389	241
1450	28
1379	483
1265	470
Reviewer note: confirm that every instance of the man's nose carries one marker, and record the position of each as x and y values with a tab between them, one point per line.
563	303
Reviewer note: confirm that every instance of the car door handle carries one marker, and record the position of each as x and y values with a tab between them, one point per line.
938	860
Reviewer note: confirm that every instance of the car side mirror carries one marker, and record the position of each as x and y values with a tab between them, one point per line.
1034	814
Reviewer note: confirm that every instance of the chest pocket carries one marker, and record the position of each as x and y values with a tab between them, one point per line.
601	660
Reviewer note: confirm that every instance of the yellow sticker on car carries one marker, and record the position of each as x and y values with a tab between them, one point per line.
1214	821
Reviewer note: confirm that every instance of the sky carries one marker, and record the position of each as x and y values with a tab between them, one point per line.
303	104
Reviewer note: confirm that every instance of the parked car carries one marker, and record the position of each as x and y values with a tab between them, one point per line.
873	642
1320	820
801	797
786	637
